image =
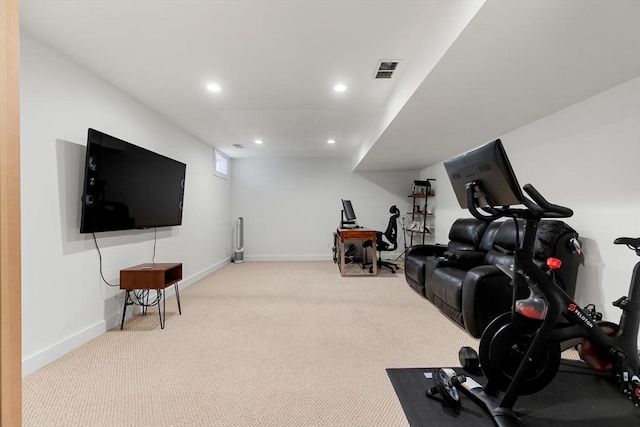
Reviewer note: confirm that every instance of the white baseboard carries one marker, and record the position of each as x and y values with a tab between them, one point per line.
323	257
39	360
48	355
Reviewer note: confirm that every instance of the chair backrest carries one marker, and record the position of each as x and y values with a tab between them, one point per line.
465	234
486	243
391	233
504	243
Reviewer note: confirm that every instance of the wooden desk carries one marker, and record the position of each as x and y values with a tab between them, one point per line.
345	234
147	277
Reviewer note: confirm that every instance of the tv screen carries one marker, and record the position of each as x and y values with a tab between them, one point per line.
488	166
349	214
128	187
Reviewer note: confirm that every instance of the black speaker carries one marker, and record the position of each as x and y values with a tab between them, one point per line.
93	163
89	200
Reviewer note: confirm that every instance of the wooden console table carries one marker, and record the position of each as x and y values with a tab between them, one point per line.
147	277
345	234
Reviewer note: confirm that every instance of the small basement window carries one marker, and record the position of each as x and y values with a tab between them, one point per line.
222	164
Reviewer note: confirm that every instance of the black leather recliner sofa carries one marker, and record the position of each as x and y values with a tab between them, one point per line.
462	278
464	235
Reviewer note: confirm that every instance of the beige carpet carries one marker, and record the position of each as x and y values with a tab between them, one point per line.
258	344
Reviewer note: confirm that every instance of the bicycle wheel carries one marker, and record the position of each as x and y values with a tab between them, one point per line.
502	349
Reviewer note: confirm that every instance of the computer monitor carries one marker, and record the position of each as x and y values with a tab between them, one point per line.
490	168
348	215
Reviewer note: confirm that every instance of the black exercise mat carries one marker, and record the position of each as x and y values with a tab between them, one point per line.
571	399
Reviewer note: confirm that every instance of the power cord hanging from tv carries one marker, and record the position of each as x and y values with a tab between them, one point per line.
141	296
100	257
155	240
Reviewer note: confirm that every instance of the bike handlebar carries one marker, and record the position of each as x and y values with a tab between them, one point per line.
548	210
471	205
538	207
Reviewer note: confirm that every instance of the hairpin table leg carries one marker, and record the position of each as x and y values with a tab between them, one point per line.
161	310
177	288
127	298
146	303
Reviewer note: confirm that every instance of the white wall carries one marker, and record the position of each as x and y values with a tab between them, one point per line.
585	157
64	302
292	206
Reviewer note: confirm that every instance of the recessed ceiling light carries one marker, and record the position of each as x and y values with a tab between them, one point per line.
258	141
340	88
213	87
331	141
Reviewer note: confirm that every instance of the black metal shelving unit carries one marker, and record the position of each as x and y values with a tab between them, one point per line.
418	228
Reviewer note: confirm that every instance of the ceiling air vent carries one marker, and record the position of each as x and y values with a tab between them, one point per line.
386	68
238	145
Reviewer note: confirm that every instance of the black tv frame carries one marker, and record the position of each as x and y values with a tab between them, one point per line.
488	170
128	187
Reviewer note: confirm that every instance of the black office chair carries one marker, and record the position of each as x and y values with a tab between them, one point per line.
391	234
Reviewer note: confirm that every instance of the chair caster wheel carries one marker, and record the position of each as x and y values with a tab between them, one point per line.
446	387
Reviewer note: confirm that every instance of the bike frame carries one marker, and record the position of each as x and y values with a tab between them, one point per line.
621	349
606	346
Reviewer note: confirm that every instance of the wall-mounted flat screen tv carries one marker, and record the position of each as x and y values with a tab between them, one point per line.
128	187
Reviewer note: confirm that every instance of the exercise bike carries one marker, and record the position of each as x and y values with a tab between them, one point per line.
520	351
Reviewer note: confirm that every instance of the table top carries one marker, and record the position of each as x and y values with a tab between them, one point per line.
356	233
151	276
158	266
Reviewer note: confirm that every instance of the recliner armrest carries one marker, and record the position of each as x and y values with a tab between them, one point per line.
486	293
426	250
465	259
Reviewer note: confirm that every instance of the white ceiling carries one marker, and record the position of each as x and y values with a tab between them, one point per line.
464	78
516	62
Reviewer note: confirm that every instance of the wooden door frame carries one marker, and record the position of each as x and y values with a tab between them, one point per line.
10	256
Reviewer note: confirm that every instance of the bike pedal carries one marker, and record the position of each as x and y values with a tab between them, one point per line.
620	302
